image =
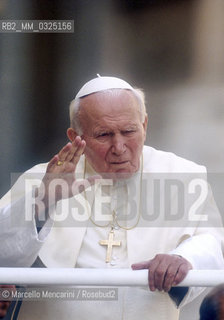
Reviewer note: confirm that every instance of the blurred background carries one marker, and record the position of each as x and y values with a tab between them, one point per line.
173	49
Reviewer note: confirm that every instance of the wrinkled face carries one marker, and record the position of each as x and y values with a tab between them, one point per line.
113	131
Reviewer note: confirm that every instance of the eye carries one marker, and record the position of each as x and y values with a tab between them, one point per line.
129	132
103	134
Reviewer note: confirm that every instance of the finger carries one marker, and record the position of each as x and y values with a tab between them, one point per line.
52	163
140	265
169	277
181	273
74	148
79	151
159	275
71	152
62	154
70	158
151	274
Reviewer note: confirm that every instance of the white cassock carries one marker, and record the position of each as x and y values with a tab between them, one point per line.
78	246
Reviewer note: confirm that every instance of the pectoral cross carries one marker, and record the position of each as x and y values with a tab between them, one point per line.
109	243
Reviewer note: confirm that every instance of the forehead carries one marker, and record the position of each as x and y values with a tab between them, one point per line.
110	103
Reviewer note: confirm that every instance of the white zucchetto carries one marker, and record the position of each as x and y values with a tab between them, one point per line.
101	84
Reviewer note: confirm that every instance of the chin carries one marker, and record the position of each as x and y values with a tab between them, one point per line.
120	174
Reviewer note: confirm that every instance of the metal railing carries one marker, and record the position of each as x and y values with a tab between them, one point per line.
100	277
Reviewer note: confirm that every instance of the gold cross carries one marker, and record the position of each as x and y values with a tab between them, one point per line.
109	243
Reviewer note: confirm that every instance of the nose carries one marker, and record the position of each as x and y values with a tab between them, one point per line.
118	145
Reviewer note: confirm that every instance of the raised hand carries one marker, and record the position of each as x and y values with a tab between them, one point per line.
67	158
63	166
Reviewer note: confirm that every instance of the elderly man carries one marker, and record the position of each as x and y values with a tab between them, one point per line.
105	157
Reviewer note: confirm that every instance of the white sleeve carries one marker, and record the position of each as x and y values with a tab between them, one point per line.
203	252
20	241
204	248
19	238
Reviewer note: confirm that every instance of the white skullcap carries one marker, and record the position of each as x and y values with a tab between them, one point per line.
102	83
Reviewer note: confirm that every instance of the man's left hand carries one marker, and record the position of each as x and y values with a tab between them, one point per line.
165	271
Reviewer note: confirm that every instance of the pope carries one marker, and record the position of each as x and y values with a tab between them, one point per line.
107	135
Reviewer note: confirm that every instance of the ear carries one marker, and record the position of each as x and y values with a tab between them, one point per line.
145	124
71	134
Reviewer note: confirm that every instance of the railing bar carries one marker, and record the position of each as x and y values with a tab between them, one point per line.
100	277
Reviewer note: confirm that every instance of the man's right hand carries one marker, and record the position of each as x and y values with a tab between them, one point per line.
62	166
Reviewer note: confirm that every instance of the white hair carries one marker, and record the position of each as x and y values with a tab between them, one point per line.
75	104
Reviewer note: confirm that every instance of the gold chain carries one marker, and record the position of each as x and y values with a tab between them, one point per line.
114	213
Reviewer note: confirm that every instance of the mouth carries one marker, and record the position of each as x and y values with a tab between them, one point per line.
118	162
